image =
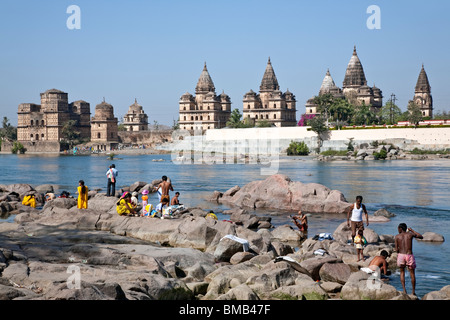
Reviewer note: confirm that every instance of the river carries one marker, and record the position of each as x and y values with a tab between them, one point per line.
416	191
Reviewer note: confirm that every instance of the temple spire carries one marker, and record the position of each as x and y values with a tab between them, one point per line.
423	85
269	81
354	75
205	83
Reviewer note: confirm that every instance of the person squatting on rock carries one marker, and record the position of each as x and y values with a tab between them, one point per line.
124	206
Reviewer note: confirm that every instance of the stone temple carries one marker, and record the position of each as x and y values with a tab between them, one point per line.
205	110
271	104
104	128
39	126
135	119
422	94
354	87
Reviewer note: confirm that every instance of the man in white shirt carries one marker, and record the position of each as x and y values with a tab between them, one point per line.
111	174
356	211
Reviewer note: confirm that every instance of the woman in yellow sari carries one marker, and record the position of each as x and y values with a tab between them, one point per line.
124	207
82	195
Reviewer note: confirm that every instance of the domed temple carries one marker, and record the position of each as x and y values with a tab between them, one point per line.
104	128
271	104
354	87
135	119
205	110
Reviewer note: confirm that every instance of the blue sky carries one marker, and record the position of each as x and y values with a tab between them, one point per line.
154	51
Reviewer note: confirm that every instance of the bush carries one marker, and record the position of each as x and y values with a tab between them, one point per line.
334	153
380	155
297	149
18	147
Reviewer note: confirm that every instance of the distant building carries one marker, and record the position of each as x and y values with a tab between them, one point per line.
328	87
45	121
205	110
104	128
354	88
355	85
135	119
422	94
270	104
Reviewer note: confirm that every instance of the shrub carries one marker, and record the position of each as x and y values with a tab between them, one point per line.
18	147
380	155
297	149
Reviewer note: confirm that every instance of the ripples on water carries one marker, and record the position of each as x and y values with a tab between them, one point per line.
416	191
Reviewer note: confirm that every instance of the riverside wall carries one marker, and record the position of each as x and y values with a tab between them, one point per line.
270	140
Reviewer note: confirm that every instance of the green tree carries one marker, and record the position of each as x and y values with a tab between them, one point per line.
69	133
319	126
8	131
324	103
415	114
235	120
390	113
363	115
297	149
263	123
341	111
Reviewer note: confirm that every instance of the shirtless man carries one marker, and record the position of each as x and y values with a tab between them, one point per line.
175	201
405	258
303	224
165	186
354	215
379	263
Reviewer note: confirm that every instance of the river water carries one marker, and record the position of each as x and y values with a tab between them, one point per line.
416	191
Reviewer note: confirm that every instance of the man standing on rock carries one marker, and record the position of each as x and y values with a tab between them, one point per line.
405	257
166	186
111	174
356	210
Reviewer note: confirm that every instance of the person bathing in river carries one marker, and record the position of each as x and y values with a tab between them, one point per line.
303	224
379	263
405	257
355	218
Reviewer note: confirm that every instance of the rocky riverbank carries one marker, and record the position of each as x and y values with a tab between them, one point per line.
61	252
381	152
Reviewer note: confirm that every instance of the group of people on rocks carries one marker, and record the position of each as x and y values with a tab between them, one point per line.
129	205
403	243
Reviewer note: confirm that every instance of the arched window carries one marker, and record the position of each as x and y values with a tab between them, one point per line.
274	116
248	106
99	135
275	105
32	122
42	122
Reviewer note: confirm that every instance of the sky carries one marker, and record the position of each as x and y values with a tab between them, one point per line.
154	51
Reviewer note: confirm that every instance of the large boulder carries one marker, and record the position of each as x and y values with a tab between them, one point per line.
362	286
432	237
279	192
